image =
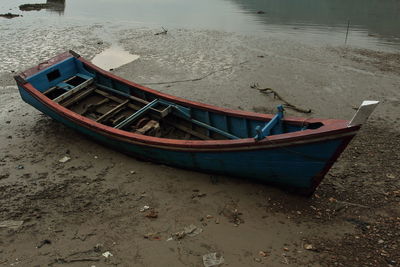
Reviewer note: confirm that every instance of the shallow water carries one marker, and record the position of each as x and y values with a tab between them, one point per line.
373	23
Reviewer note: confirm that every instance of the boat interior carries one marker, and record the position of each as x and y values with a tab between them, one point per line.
108	101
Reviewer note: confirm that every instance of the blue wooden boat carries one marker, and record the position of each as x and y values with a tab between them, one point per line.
291	152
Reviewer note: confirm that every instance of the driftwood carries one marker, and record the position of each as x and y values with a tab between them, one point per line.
278	96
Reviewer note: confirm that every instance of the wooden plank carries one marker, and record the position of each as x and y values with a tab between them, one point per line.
112	111
50	90
162	113
137	99
116	99
78	97
73	91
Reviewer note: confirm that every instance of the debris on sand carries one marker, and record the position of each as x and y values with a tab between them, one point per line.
43	242
11	224
197	194
190	230
152	214
213	259
64	159
107	254
309	247
231	212
263	253
152	236
145	207
9	15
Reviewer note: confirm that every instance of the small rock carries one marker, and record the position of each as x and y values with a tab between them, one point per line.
145	207
309	247
381	241
20	167
132	172
107	254
64	159
262	253
257	259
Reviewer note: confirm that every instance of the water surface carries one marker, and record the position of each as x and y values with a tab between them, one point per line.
373	23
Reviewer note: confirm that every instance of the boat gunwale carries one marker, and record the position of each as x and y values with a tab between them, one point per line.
331	129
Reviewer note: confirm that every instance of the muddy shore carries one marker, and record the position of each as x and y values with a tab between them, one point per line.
72	213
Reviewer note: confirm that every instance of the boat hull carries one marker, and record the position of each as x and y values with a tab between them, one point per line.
297	165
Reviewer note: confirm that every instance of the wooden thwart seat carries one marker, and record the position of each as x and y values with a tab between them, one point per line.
74	90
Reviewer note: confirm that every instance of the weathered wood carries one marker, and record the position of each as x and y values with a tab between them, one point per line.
116	99
73	91
125	95
112	111
162	113
78	97
156	114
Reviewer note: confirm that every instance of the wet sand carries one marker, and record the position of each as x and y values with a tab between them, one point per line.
73	212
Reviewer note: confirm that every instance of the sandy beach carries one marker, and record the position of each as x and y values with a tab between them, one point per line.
103	208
